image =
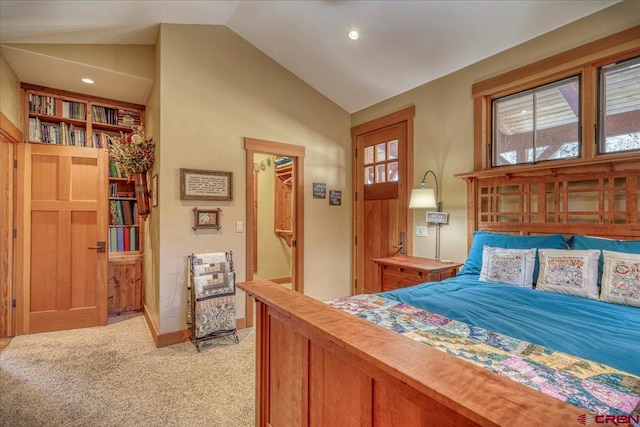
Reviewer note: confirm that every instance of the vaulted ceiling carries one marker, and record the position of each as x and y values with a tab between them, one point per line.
402	44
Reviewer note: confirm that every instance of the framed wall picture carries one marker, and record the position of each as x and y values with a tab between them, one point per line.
206	218
199	184
154	190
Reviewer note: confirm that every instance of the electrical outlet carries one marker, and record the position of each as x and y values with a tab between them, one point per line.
239	227
422	231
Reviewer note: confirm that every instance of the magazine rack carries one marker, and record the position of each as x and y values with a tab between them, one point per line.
211	293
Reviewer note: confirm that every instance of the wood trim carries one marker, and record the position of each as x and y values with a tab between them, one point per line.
297	152
10	135
577	57
9	132
381	122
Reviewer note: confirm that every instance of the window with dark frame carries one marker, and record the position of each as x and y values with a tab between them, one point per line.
619	107
538	124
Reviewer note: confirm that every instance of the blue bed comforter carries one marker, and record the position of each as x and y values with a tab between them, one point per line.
590	329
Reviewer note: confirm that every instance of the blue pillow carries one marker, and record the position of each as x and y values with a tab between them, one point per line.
583	242
473	264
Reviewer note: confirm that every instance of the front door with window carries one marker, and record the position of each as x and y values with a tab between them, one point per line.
381	214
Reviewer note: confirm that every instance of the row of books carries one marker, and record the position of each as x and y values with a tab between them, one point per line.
54	133
50	106
123	212
113	116
102	139
124	239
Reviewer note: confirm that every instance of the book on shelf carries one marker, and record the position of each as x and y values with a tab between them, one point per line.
127	212
119	212
120	239
133	238
113	239
126	231
113	212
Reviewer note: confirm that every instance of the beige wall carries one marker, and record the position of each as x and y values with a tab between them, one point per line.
152	224
10	93
274	255
444	118
216	89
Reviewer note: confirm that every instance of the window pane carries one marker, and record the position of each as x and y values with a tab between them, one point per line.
392	171
381	172
393	149
368	155
620	107
512	129
368	175
537	124
380	152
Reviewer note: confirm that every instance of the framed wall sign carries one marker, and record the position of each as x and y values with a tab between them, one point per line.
335	197
206	218
319	190
198	184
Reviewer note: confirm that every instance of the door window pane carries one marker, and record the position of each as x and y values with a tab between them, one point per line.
620	107
368	155
392	171
393	149
368	175
536	125
381	153
380	173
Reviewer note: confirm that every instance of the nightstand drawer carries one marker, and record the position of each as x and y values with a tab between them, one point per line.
390	282
403	272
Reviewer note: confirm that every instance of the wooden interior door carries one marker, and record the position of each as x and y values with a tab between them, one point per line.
382	170
63	197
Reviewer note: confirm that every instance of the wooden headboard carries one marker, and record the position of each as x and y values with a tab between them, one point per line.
594	198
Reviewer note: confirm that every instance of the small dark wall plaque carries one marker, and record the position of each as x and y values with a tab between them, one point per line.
319	190
335	197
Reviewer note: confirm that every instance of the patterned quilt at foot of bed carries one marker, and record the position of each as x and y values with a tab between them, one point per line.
589	385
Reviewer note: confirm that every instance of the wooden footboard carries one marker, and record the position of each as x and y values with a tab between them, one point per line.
319	366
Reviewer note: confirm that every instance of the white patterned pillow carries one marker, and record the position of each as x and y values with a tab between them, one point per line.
569	272
511	266
621	278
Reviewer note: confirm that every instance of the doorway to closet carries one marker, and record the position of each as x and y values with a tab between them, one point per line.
274	214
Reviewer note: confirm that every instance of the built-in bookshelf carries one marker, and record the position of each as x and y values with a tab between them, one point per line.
65	118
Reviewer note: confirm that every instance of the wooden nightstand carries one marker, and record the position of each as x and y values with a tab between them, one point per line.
402	271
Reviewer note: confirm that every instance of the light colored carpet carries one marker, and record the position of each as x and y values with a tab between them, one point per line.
115	376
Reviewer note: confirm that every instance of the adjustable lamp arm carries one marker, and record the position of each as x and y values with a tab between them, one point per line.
423	184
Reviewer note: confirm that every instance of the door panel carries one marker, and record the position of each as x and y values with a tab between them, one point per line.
64	192
381	211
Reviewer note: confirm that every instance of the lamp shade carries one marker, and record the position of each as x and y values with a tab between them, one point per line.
422	198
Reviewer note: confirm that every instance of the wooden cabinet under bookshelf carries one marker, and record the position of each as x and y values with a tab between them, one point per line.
64	118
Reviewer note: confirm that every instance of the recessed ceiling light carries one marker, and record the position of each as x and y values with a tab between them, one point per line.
353	35
87	80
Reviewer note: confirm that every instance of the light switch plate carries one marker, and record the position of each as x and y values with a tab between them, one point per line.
239	227
421	231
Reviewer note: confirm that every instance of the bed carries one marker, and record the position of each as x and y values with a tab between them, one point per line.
467	351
